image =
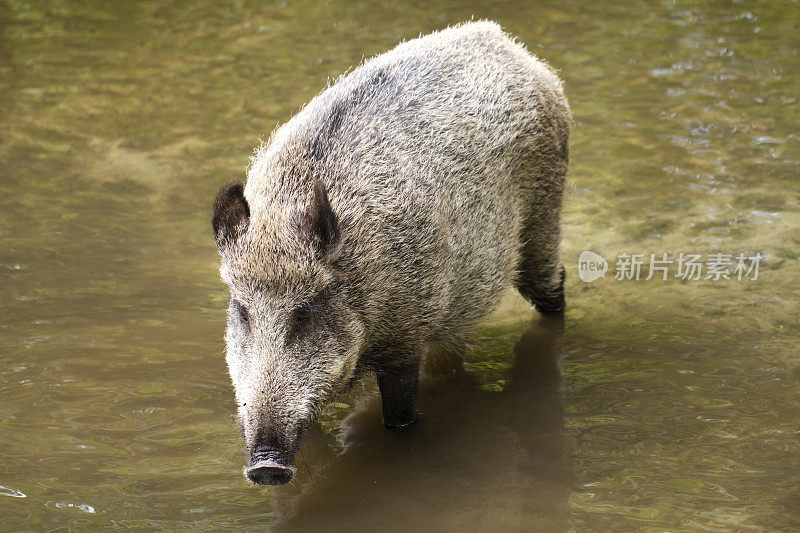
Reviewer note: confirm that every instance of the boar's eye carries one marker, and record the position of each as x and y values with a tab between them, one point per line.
303	312
242	312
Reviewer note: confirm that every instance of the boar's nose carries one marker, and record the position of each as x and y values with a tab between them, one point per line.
269	472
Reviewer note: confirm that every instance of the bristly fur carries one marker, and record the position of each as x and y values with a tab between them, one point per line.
434	173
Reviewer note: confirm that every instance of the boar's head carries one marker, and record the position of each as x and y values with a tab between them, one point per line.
292	339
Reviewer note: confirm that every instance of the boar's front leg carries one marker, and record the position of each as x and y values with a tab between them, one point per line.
398	386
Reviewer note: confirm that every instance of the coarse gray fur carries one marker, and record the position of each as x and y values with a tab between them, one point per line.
385	220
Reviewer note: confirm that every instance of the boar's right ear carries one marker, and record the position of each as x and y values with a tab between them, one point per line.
231	213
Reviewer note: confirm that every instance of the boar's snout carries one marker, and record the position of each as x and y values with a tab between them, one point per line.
268	472
269	467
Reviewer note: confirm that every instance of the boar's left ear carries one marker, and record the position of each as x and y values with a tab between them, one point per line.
231	213
319	225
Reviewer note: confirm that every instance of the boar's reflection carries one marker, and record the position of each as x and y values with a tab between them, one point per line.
475	460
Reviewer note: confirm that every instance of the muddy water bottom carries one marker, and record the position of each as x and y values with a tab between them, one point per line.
653	405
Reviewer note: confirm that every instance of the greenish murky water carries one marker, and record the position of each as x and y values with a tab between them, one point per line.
678	404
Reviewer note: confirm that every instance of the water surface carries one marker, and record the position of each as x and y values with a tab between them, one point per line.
653	405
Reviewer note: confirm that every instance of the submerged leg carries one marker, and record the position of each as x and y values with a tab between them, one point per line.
398	386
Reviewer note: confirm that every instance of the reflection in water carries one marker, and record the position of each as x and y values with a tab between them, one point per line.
476	459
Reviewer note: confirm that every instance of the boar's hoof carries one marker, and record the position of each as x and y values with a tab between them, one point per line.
269	473
554	305
398	426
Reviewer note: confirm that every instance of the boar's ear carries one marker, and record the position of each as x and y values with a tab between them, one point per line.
231	213
319	225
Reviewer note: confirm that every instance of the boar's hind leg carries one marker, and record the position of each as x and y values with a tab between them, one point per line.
546	300
541	273
398	386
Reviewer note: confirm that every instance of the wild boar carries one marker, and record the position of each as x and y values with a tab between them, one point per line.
384	221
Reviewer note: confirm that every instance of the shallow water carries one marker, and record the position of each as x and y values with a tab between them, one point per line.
677	406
